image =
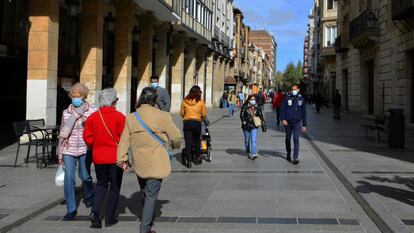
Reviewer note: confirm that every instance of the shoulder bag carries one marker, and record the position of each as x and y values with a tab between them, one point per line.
106	127
257	121
146	128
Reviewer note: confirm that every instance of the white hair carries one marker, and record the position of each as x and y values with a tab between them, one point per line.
107	97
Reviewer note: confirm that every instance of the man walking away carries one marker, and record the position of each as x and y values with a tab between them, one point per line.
241	98
293	116
277	103
163	100
336	102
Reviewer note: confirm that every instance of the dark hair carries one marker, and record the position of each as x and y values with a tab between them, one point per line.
154	76
148	96
194	94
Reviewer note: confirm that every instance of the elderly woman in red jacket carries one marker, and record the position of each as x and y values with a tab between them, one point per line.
102	132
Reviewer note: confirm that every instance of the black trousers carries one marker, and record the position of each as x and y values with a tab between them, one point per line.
192	133
277	115
109	176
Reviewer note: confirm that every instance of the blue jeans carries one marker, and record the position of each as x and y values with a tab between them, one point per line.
224	103
295	129
231	109
70	180
250	141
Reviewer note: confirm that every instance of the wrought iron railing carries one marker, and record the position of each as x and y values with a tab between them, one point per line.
402	9
366	22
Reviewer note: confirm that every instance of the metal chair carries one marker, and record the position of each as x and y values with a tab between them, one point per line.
25	137
41	136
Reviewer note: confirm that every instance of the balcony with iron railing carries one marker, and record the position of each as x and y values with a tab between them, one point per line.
216	33
365	29
402	9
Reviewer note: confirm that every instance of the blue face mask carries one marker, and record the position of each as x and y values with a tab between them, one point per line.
295	92
155	85
77	102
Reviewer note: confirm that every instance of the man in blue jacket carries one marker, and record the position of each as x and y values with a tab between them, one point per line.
293	116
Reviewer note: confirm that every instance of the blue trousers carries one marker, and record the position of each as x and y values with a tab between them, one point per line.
250	141
231	109
70	180
295	129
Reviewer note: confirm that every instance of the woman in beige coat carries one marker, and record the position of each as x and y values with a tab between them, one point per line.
151	161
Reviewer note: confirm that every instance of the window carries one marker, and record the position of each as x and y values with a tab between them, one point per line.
330	35
329	4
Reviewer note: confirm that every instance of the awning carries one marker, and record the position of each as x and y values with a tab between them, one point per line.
230	80
160	8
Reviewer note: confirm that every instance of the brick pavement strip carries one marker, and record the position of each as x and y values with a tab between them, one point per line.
266	195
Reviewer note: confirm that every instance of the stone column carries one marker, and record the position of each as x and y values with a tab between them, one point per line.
123	44
177	72
91	46
201	65
145	51
161	56
42	60
209	80
190	66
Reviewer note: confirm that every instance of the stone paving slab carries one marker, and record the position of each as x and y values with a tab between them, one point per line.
231	194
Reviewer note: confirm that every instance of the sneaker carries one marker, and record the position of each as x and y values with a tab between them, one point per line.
296	161
70	216
254	157
288	158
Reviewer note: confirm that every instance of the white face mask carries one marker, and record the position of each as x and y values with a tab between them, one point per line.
252	102
295	92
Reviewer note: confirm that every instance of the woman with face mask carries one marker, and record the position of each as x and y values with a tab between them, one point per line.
251	117
72	148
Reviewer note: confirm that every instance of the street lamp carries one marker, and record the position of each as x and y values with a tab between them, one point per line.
135	34
110	22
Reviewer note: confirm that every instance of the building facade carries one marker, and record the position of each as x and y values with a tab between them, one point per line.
267	44
375	58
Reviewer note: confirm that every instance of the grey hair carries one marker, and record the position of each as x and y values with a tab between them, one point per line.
81	88
107	97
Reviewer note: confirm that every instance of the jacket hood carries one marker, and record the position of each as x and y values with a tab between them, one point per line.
191	102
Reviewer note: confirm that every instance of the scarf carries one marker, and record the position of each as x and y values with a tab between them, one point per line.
76	114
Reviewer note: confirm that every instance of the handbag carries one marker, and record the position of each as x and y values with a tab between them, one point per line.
163	144
106	127
256	120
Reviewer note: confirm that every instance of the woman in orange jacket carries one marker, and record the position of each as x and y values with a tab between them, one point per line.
193	111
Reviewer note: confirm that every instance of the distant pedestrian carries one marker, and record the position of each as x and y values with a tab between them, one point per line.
102	133
164	99
293	116
251	117
336	103
72	149
232	100
149	157
224	98
318	100
260	100
277	103
241	98
193	111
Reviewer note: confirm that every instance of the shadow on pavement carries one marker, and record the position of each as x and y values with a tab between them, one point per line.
135	205
236	152
401	195
268	153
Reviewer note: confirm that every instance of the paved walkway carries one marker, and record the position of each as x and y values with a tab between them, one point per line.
234	194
